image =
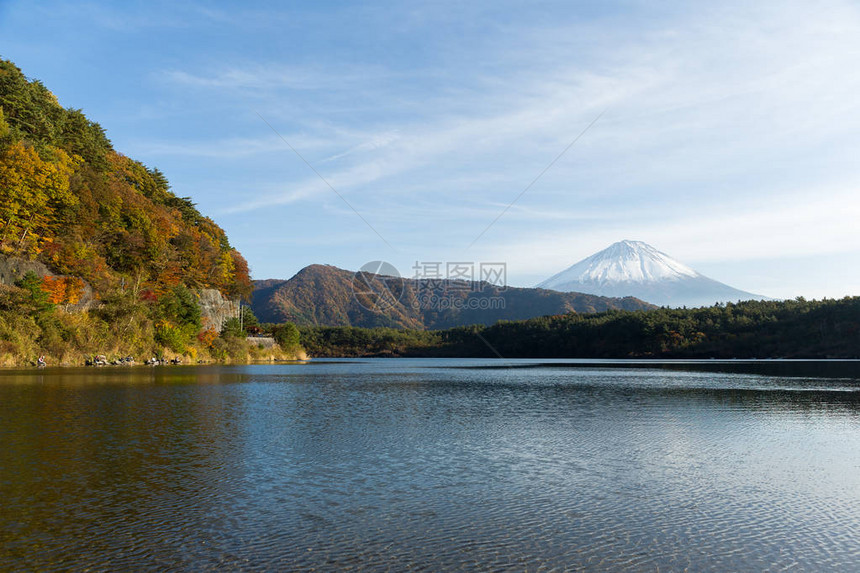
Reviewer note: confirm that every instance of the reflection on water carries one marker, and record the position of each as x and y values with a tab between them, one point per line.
423	464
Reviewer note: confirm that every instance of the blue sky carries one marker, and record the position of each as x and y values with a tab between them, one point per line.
729	134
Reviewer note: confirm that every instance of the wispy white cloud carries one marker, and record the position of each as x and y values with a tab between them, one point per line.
128	17
375	143
676	122
797	225
270	77
227	148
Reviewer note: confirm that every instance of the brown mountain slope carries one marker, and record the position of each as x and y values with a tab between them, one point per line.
324	295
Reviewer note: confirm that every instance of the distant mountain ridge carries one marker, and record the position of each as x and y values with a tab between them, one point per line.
323	295
634	268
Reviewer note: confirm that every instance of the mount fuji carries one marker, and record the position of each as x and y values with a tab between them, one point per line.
634	268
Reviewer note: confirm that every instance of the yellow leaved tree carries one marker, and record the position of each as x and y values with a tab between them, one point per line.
34	186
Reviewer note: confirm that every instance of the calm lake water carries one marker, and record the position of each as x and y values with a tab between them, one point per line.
433	465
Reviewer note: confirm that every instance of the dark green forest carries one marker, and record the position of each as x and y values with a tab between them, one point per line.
755	329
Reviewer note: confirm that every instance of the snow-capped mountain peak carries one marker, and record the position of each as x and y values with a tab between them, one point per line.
634	268
624	261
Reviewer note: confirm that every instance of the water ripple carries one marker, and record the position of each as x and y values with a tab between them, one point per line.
381	466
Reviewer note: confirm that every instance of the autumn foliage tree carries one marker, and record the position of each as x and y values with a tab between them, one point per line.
63	290
34	191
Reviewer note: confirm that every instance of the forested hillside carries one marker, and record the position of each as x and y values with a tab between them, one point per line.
323	295
70	200
97	218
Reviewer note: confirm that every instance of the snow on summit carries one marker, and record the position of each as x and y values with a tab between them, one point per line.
632	261
634	268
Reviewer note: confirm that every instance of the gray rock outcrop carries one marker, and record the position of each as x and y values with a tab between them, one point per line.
13	269
215	310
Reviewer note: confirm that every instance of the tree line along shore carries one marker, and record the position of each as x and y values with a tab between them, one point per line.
122	326
796	328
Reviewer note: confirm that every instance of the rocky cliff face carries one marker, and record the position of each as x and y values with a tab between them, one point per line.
12	269
215	309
